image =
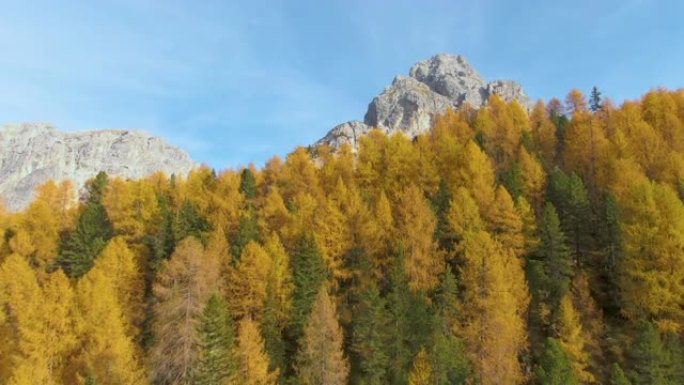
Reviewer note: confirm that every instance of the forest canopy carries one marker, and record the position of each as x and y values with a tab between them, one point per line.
502	247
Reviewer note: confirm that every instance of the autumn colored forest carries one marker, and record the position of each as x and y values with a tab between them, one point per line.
500	248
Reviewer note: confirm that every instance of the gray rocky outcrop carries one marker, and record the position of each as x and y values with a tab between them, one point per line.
411	102
31	154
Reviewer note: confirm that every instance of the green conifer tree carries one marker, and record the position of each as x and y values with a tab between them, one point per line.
272	331
248	230
189	222
248	184
611	244
80	247
617	376
410	321
569	196
595	100
216	363
310	273
370	336
648	357
553	252
448	357
554	367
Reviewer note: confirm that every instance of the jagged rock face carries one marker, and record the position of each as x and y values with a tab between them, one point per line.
407	105
348	132
411	102
452	77
31	154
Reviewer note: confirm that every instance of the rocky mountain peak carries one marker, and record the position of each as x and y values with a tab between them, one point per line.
33	153
411	102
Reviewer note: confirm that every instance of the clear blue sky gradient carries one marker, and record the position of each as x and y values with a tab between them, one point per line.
237	82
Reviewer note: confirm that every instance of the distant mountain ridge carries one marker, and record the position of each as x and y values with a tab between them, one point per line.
31	154
410	103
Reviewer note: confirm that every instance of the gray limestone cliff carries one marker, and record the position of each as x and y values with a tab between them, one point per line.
31	154
410	103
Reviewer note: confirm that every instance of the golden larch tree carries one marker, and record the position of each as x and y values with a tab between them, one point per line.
248	280
108	353
494	319
181	289
415	231
253	362
421	371
320	360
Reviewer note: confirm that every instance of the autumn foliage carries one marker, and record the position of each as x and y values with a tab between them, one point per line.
502	247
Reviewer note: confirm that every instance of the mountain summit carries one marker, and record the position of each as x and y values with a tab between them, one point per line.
410	103
31	154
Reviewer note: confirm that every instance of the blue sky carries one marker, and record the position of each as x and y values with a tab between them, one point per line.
235	82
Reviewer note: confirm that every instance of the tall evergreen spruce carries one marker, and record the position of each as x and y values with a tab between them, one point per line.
410	320
554	367
570	198
448	357
441	202
450	364
272	332
617	376
649	361
164	242
248	184
310	274
216	362
247	231
555	257
370	336
595	100
611	243
80	247
675	357
189	222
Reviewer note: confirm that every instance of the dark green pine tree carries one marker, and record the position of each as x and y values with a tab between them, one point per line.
560	121
611	245
310	273
648	357
569	196
248	184
595	100
399	305
538	283
512	180
617	376
272	331
216	363
675	355
248	230
441	202
450	364
370	337
189	222
80	247
410	322
446	298
554	367
554	255
163	241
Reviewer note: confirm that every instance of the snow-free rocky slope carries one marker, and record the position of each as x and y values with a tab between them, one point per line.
410	103
31	154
